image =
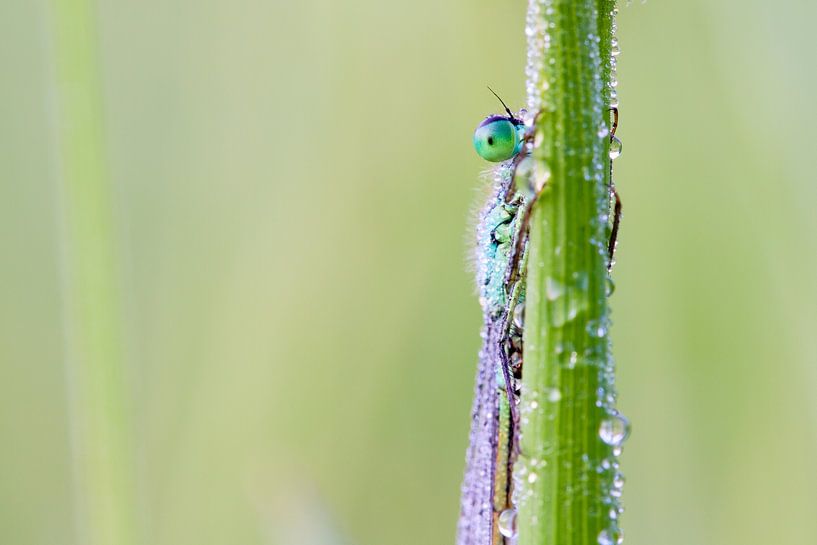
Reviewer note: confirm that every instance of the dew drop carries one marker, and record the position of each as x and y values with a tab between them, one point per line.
603	131
532	477
519	316
538	139
554	395
611	286
575	305
507	523
611	537
581	281
553	288
614	430
523	177
615	148
597	328
541	175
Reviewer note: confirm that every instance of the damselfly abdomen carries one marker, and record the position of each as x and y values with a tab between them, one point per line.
486	515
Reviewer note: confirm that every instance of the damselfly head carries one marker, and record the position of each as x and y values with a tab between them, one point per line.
499	138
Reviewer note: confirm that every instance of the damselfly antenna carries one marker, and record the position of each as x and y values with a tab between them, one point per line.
503	103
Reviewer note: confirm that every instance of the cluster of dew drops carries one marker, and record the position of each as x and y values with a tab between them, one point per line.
614	428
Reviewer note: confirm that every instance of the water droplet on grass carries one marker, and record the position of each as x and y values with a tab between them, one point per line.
553	288
523	177
614	430
615	148
507	523
611	537
519	316
541	175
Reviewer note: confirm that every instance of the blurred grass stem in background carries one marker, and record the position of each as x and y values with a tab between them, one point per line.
99	425
567	479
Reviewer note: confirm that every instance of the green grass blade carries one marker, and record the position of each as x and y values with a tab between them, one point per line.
94	355
565	476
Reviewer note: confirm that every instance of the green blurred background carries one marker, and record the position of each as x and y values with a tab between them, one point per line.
293	183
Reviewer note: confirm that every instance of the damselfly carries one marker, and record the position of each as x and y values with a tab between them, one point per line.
487	513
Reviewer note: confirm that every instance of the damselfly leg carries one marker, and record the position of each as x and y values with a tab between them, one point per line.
611	243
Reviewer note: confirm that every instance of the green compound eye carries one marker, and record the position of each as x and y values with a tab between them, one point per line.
497	139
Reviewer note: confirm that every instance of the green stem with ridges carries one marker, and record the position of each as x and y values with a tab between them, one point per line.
104	485
562	487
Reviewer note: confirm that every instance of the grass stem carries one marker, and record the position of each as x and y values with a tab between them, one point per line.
94	355
567	477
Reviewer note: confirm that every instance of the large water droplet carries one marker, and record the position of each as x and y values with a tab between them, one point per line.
553	288
615	148
614	430
523	177
507	523
519	316
611	286
612	536
538	139
541	175
597	328
575	306
581	280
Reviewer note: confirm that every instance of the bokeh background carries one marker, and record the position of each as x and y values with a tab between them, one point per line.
293	183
